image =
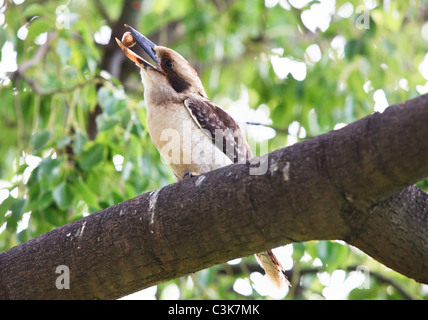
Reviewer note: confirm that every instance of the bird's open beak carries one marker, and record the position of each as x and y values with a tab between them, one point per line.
143	42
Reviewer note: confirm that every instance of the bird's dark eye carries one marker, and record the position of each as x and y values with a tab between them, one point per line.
168	64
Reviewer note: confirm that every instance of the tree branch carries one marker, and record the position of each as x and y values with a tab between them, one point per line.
39	55
346	184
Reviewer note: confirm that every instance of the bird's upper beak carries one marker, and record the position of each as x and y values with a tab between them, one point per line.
143	42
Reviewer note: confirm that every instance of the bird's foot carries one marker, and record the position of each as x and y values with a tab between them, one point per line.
189	175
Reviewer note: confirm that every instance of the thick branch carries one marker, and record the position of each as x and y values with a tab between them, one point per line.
346	184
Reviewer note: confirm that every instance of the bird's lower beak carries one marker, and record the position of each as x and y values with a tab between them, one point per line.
143	42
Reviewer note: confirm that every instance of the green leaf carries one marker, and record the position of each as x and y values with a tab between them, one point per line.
92	156
63	50
106	122
87	195
79	142
4	207
16	206
88	97
34	9
44	200
49	170
38	26
63	142
40	139
111	101
106	99
63	195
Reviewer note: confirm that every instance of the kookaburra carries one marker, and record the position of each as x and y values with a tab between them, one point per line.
192	134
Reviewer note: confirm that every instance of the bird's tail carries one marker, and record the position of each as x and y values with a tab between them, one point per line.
273	268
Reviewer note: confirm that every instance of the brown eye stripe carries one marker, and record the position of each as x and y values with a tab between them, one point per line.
177	83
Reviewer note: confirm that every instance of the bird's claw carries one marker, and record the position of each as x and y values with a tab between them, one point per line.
189	175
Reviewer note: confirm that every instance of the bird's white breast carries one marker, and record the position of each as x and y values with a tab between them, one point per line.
181	142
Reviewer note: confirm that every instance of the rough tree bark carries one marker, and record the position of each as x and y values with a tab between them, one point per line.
353	184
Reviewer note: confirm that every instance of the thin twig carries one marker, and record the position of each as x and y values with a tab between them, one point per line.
103	12
277	129
40	53
44	91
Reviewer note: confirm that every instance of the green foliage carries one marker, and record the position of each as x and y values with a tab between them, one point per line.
52	171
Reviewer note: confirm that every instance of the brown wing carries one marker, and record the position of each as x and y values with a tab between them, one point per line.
228	137
221	127
273	268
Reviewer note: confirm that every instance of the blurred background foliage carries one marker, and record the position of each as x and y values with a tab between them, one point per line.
73	135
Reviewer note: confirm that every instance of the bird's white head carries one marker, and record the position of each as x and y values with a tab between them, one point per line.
171	78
